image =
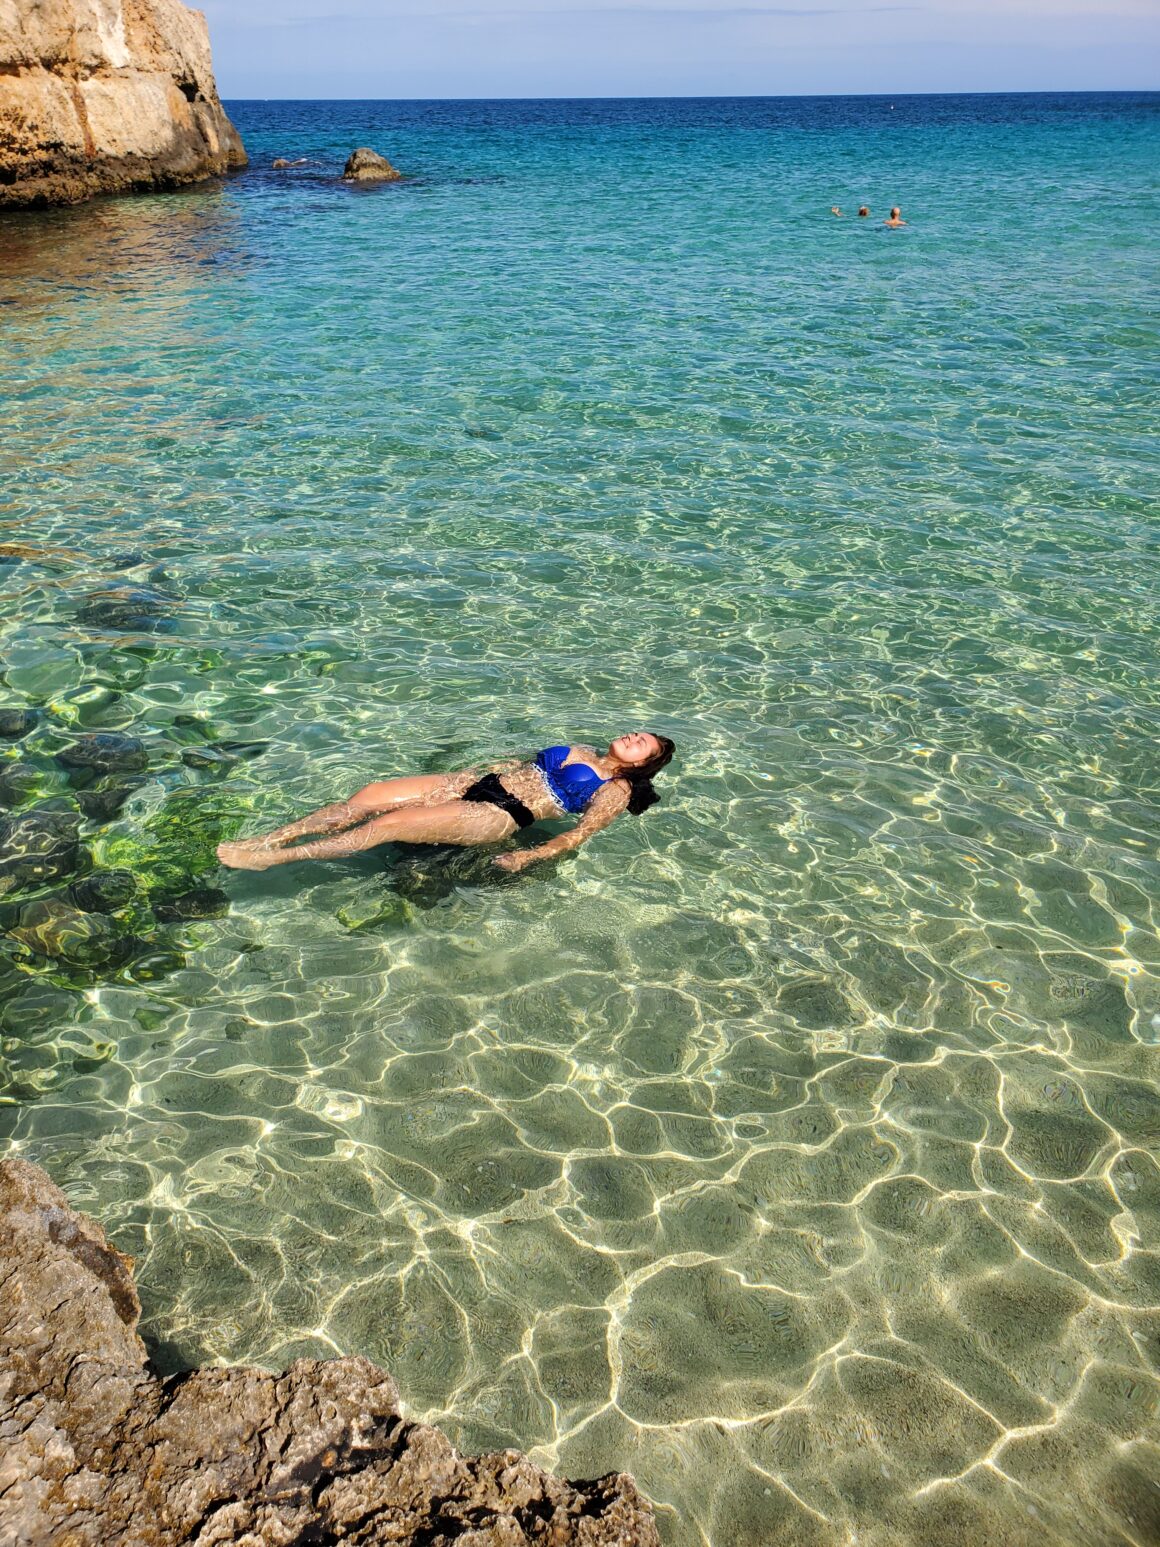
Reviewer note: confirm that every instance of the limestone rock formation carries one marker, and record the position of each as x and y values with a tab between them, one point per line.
96	1451
99	96
367	166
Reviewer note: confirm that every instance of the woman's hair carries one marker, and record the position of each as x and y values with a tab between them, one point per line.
641	792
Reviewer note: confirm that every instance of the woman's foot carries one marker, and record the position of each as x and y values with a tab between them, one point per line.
247	856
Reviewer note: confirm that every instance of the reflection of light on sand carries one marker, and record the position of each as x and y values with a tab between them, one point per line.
793	1147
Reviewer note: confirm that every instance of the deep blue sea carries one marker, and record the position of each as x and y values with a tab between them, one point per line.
794	1146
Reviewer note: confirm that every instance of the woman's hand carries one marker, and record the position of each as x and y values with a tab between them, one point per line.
519	860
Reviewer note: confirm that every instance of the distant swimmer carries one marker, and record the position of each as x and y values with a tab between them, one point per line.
895	218
834	210
863	210
476	806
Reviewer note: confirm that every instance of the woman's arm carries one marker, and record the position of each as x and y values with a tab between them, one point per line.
604	808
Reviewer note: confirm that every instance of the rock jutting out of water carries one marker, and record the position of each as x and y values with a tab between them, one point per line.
99	1450
367	166
100	98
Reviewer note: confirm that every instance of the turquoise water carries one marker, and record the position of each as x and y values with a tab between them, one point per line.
794	1146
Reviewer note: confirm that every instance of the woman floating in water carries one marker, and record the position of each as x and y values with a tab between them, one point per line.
468	808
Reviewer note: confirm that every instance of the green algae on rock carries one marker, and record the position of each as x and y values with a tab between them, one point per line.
176	845
53	929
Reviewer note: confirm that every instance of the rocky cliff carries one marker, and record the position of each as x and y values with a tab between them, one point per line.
96	1451
99	96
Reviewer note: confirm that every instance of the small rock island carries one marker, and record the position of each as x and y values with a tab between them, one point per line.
367	166
107	96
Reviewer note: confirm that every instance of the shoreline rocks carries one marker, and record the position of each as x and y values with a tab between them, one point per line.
107	96
99	1450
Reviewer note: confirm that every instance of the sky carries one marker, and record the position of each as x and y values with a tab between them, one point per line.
564	48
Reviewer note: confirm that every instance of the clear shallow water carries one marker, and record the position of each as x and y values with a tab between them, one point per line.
795	1146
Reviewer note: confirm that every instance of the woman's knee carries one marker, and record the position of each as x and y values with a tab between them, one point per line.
369	794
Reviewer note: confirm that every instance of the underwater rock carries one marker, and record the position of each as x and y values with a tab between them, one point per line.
128	560
367	166
37	847
106	891
222	754
131	609
176	845
204	902
15	723
17	782
102	805
194	722
98	1450
387	912
63	933
105	753
207	758
153	964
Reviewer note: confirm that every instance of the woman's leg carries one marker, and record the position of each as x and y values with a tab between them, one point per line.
369	801
454	821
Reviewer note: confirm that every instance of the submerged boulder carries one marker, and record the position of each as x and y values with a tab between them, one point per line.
129	610
17	782
104	753
98	1450
222	755
37	847
367	166
203	902
102	803
105	891
98	96
53	929
15	723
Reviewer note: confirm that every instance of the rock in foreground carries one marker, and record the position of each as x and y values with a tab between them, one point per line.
367	166
101	96
98	1452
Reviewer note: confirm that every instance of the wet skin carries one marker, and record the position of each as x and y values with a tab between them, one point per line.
428	808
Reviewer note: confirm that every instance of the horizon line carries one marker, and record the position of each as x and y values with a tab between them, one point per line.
744	96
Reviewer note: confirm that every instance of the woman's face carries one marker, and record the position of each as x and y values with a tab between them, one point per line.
635	747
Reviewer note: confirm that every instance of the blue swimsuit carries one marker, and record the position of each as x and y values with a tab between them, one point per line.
572	787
